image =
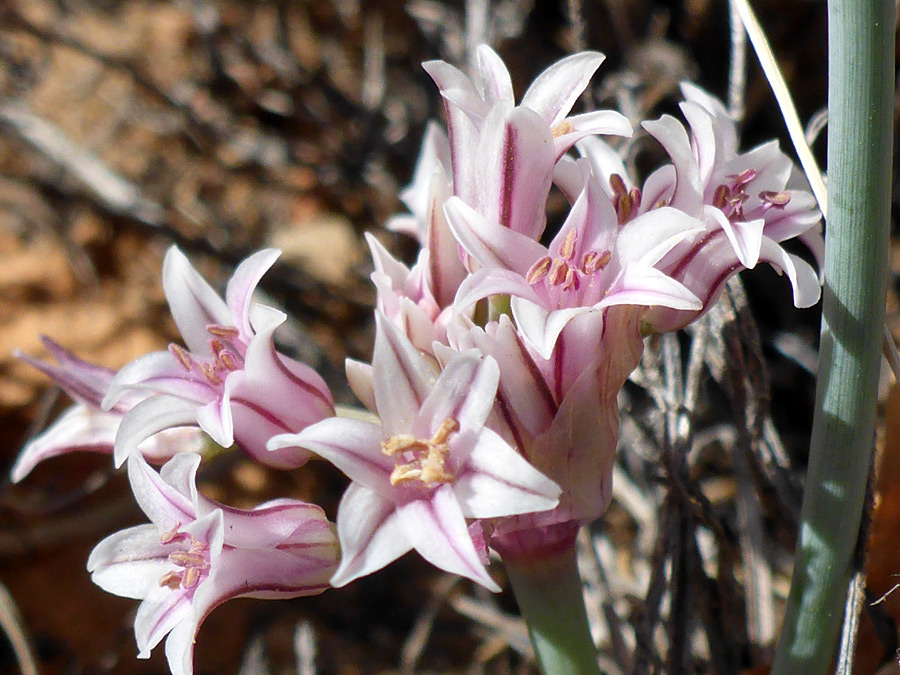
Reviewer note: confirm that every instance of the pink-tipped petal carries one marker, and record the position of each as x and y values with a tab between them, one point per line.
80	428
166	505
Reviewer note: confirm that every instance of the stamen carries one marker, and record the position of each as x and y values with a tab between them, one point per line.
558	272
182	355
227	359
721	196
216	346
567	248
538	271
572	281
776	199
561	129
744	177
227	332
442	435
210	373
173	535
429	464
189	559
592	261
191	578
636	195
400	443
171	580
617	184
626	208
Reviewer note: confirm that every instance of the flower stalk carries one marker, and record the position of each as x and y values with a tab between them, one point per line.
861	50
548	589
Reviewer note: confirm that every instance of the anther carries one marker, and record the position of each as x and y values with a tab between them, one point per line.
744	177
567	248
173	535
227	332
721	196
625	208
400	443
572	281
442	435
592	261
210	374
171	580
539	270
182	355
558	272
189	559
635	194
191	578
561	129
776	199
617	184
226	358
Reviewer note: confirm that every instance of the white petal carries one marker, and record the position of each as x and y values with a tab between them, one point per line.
353	446
243	282
370	533
79	428
438	531
130	563
554	92
499	482
644	285
403	377
193	302
465	392
149	417
541	327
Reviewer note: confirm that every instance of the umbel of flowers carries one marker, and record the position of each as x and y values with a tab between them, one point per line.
497	363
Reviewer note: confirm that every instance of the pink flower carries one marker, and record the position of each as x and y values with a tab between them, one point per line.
428	466
591	264
561	414
230	380
85	426
503	155
743	200
197	554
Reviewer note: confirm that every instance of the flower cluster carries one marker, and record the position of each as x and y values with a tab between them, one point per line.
491	395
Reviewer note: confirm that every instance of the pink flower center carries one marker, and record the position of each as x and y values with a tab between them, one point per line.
564	270
191	561
421	460
730	197
226	349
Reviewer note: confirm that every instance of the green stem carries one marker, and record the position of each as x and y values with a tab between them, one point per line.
549	592
861	51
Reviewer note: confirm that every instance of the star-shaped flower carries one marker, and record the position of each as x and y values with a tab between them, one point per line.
427	467
591	264
230	380
197	554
